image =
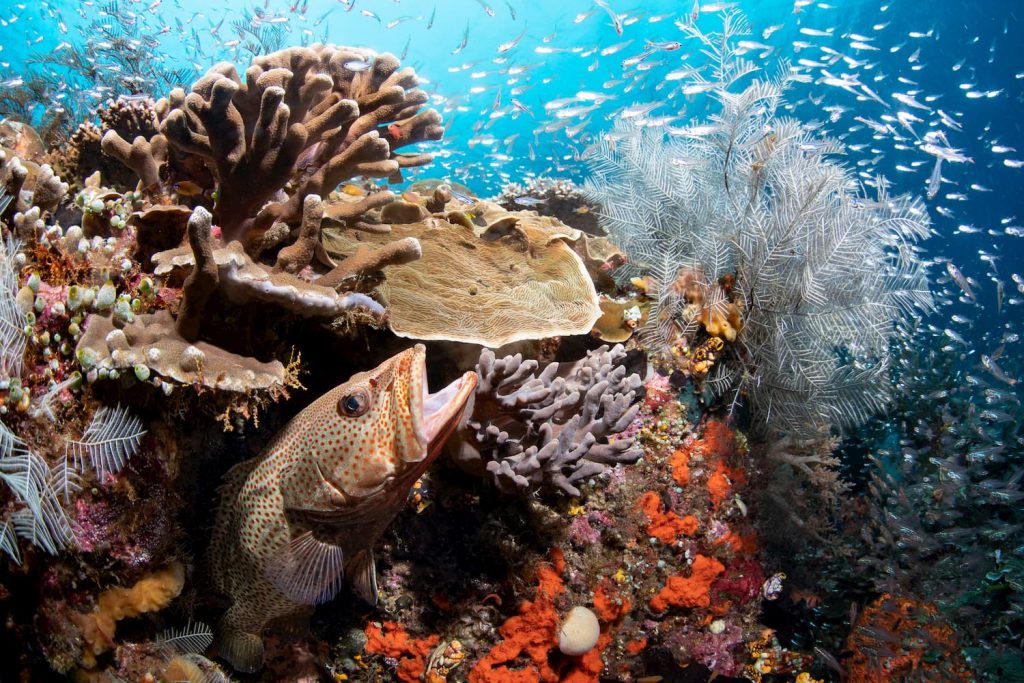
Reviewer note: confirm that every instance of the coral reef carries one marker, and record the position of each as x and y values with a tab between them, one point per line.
150	319
555	429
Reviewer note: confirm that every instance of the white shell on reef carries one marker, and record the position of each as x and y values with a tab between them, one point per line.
191	358
579	632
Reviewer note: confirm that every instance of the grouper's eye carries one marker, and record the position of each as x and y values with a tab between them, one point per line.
355	403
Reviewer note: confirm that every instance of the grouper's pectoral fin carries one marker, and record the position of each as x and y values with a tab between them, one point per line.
306	570
364	576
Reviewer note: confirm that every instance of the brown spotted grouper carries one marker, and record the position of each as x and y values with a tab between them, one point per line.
306	513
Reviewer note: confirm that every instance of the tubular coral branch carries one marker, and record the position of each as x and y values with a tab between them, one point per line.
303	117
203	280
366	261
298	255
141	155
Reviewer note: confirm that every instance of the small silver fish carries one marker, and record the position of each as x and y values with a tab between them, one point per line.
936	179
960	280
529	201
989	363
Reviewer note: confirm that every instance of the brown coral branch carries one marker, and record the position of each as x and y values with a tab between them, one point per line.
141	155
298	255
366	261
342	211
203	280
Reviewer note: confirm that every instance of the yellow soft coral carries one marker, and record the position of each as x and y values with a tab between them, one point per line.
150	594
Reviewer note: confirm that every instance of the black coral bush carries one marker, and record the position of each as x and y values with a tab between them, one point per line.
824	275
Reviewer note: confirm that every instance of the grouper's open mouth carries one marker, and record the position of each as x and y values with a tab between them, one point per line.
435	416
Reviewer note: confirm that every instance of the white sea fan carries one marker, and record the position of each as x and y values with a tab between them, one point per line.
39	517
195	637
110	440
12	319
824	275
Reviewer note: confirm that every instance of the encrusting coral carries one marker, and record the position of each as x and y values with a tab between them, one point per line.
555	429
151	341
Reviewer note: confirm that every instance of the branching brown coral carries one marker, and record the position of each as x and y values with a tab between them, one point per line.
141	155
305	117
550	430
299	253
34	190
129	117
203	280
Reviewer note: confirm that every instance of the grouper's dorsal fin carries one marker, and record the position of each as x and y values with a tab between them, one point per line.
307	571
363	574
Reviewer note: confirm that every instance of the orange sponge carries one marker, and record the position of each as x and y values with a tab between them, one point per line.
691	591
151	594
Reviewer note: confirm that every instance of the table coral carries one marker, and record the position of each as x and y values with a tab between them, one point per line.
493	279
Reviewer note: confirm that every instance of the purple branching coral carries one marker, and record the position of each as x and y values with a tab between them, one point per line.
550	430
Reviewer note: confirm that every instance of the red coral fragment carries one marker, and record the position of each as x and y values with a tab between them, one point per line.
533	634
